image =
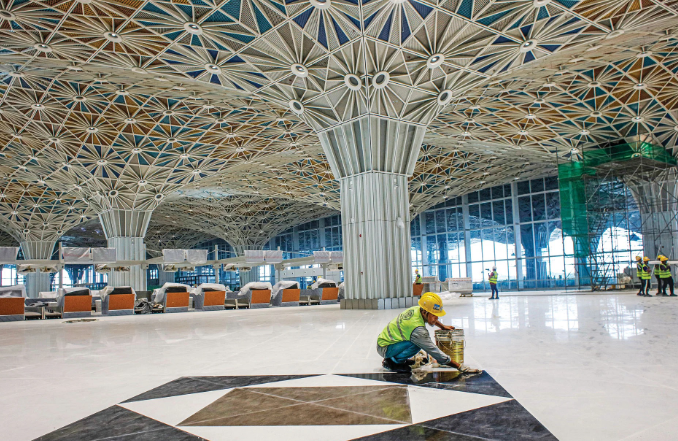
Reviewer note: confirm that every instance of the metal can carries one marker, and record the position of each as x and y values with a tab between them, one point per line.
452	343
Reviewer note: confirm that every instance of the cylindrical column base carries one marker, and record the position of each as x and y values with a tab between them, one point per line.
249	276
660	234
37	283
129	248
376	229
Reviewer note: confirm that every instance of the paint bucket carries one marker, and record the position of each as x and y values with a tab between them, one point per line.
452	343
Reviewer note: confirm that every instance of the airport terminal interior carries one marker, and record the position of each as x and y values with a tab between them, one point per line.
375	220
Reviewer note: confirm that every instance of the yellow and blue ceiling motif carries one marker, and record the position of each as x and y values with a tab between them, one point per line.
136	104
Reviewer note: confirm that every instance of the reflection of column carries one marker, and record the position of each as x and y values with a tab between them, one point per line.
373	157
37	282
125	231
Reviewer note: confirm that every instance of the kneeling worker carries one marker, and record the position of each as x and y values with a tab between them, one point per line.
406	335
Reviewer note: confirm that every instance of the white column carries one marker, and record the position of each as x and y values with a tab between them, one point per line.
37	282
252	275
517	236
658	204
125	231
129	248
376	229
165	276
373	157
466	216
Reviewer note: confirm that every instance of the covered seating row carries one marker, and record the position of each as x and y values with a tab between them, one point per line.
172	297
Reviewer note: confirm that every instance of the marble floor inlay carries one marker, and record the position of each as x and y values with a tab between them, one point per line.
424	406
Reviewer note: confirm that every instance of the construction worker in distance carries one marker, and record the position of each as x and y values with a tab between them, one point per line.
417	278
645	276
406	335
657	275
492	278
667	278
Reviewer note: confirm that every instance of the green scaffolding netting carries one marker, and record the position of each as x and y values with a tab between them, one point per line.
575	181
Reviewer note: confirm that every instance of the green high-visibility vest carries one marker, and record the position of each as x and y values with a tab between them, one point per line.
401	327
665	271
493	277
643	271
658	271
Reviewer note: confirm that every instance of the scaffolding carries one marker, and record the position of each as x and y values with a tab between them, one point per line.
618	201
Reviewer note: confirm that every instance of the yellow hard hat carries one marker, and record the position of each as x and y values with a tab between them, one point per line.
646	259
663	258
416	271
432	303
638	258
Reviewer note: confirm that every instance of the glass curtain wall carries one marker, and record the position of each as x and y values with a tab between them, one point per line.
516	227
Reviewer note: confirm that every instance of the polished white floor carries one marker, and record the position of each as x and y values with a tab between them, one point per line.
588	366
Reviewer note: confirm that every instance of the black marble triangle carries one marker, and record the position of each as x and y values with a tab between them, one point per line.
118	424
504	421
453	380
192	385
418	433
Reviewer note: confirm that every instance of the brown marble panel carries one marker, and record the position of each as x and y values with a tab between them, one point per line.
304	414
302	406
310	394
392	403
233	404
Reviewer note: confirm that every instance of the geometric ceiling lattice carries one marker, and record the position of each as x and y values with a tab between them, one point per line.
109	105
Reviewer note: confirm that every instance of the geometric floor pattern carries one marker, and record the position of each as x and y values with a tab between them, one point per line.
426	406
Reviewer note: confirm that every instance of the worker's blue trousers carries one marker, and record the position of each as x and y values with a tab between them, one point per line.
401	351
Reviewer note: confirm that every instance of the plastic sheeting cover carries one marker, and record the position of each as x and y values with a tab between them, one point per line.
215	286
13	291
104	255
283	284
102	269
337	256
173	256
321	281
254	256
109	289
254	285
47	295
321	256
62	291
273	256
159	293
8	254
196	256
76	255
30	269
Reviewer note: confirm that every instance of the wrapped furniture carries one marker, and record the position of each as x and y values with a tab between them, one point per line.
209	297
285	293
252	295
173	297
118	301
322	292
12	303
73	303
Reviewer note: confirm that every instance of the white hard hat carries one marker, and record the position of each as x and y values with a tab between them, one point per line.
494	268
